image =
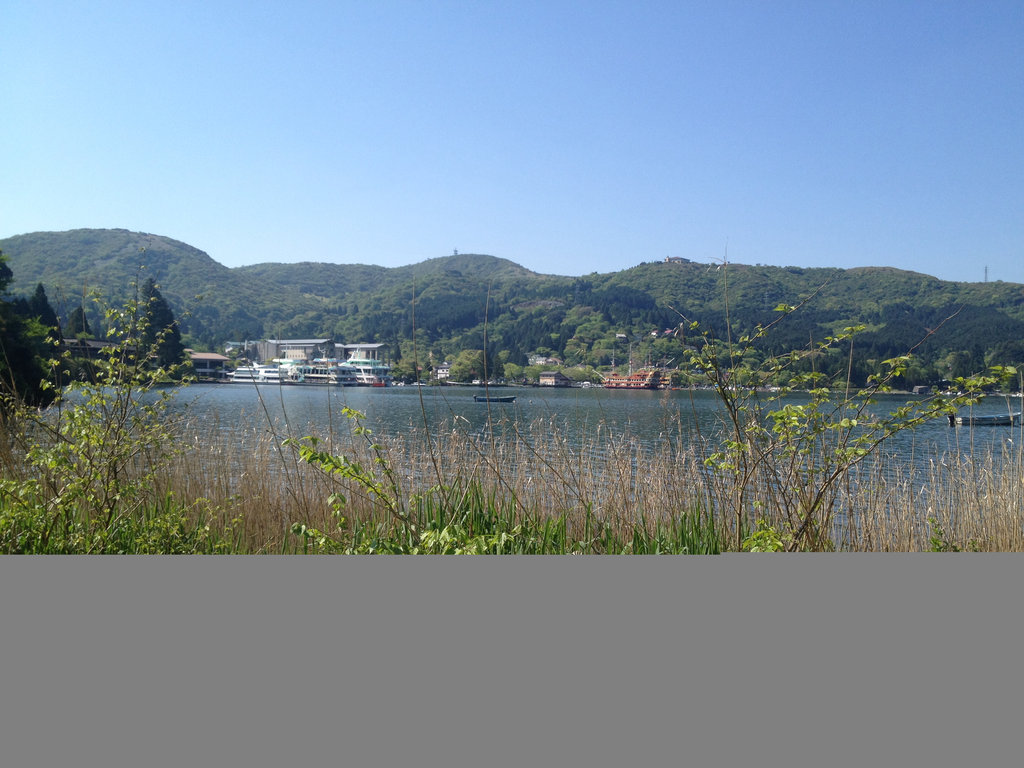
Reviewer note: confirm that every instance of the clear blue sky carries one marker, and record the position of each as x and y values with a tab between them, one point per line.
570	137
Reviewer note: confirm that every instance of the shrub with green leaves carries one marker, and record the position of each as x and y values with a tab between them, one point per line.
788	459
87	482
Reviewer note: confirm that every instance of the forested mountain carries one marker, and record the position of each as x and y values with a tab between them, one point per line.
471	301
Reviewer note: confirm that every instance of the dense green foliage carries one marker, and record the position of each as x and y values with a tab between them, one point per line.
39	307
160	333
79	477
78	323
473	302
28	336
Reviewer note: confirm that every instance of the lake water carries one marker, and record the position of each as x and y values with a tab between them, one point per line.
648	417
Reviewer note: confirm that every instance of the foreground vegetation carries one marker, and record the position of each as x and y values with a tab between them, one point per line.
449	492
110	468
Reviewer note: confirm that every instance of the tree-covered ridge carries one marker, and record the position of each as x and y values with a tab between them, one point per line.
478	302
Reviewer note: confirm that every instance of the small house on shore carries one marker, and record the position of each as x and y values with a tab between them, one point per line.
88	349
208	365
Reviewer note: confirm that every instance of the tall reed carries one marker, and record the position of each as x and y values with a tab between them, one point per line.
539	488
607	482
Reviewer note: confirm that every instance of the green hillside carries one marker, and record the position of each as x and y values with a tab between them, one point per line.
469	301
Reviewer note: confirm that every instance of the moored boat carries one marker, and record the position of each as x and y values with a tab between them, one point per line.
324	372
502	399
245	374
991	420
268	374
643	379
370	372
346	375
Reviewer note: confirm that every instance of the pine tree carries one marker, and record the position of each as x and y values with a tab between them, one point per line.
161	332
78	324
39	306
23	350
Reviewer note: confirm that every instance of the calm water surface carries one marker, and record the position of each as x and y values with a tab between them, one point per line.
649	417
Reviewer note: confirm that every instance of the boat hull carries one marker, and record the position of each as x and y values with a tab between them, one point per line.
1000	420
645	379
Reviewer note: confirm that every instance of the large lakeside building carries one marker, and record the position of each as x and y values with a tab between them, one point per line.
312	361
267	350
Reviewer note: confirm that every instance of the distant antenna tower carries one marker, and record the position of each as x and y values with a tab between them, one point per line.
986	273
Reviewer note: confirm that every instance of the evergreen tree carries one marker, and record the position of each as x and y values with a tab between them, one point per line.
23	350
39	306
161	330
78	324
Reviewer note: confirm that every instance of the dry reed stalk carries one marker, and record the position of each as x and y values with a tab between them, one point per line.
963	503
259	490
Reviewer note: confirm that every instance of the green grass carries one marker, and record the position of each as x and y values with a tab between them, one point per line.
472	519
